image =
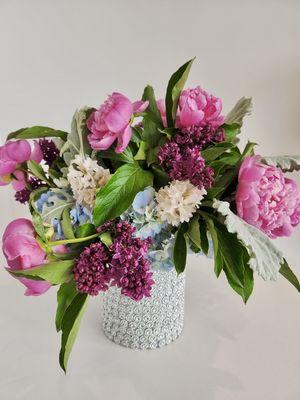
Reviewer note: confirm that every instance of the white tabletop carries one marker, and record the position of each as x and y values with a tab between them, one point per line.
227	350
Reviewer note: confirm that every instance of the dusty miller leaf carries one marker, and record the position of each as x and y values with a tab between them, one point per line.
77	142
265	258
55	205
285	163
242	108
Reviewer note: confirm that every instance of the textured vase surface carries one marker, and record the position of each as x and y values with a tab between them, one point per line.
151	322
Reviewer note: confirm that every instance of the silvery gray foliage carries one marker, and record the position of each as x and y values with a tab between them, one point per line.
77	142
56	202
285	163
265	258
242	108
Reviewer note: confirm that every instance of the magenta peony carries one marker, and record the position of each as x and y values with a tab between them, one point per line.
112	121
12	154
22	251
196	108
266	199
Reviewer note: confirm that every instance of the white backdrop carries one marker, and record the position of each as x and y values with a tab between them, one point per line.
60	55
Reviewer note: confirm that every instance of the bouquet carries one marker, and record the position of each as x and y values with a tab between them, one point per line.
134	186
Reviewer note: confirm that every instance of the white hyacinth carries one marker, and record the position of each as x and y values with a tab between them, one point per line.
177	202
86	177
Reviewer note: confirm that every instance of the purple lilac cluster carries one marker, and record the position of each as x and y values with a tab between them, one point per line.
181	155
49	150
130	270
123	264
23	195
199	137
91	271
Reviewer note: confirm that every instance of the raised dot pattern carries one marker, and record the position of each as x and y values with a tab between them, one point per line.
151	322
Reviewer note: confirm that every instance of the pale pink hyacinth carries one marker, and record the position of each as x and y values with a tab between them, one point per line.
12	155
22	251
196	107
266	199
112	121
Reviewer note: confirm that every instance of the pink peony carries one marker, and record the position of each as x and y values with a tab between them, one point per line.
22	251
266	199
112	122
196	108
12	154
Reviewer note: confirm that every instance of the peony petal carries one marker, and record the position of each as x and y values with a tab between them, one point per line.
190	117
124	139
252	174
18	247
36	154
104	143
35	288
19	183
18	151
120	113
7	167
139	106
21	226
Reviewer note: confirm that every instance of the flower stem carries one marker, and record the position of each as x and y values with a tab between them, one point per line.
72	241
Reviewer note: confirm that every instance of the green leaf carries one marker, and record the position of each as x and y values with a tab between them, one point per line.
152	110
242	108
125	157
230	250
150	133
36	132
180	249
211	153
56	272
235	261
231	131
37	171
265	258
38	225
106	238
286	271
70	326
65	296
248	150
175	86
77	142
218	259
152	155
142	152
225	180
119	192
219	264
194	231
55	205
285	163
248	282
203	237
66	224
85	230
161	178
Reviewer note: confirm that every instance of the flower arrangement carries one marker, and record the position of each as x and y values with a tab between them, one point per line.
131	187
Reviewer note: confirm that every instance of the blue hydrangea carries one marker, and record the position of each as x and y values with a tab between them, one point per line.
161	257
144	200
42	200
79	215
